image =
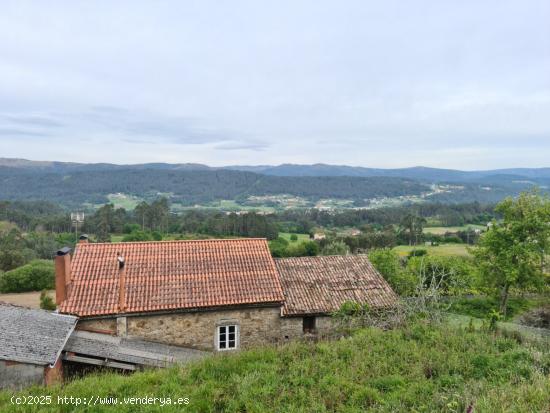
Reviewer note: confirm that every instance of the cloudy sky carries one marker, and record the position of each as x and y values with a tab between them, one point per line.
459	84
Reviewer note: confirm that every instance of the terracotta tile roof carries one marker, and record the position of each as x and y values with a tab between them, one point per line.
320	285
169	275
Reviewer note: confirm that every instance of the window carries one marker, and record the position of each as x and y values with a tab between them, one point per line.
309	325
228	337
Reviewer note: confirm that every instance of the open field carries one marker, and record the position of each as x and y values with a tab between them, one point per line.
31	299
127	202
301	237
443	230
440	250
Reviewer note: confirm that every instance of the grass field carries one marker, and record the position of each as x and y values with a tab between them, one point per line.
127	202
440	250
301	237
443	230
417	368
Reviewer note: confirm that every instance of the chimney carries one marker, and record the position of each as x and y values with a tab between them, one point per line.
83	239
62	274
122	283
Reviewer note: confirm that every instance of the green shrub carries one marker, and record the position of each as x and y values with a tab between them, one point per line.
418	252
138	235
293	237
455	275
34	276
46	302
418	368
388	263
481	306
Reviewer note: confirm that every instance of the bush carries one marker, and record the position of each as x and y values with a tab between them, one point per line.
455	275
418	252
388	263
129	228
138	235
293	237
34	276
46	302
481	306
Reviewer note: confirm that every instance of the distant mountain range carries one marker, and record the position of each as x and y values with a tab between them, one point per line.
418	172
75	184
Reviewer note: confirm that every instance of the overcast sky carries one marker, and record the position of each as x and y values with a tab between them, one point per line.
458	84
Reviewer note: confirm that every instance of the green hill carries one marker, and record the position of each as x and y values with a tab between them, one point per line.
415	369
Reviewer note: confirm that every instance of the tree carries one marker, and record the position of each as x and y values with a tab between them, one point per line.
335	248
388	264
13	251
413	225
511	254
141	213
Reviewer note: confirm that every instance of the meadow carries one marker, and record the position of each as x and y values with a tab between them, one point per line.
439	250
416	368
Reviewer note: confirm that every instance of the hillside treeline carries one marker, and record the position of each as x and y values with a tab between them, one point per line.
190	187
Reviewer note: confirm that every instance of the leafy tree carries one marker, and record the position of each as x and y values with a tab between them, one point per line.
13	250
413	225
43	244
138	235
511	253
335	248
388	264
278	247
453	275
34	276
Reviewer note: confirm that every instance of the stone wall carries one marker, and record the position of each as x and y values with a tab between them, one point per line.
292	327
100	325
16	375
257	326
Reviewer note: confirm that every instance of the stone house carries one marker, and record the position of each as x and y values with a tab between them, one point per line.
31	343
213	295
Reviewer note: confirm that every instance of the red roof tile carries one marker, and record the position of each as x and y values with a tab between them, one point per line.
170	275
320	285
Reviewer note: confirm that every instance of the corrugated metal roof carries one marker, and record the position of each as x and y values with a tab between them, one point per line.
130	350
320	285
171	275
32	336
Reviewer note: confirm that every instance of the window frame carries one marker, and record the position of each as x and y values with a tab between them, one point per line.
225	328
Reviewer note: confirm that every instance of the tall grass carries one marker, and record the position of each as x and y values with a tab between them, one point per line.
420	368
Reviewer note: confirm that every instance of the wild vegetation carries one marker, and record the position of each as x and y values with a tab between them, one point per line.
419	367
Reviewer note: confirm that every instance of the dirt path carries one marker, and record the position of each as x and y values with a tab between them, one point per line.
31	299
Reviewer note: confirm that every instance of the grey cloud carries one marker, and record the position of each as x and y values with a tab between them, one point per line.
38	121
21	132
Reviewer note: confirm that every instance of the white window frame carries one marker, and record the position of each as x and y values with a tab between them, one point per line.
225	329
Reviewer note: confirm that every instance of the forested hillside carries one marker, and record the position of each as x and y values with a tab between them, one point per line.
190	186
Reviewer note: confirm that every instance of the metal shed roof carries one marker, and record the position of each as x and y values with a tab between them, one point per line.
33	336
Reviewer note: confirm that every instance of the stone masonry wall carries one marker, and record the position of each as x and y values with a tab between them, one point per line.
257	326
107	325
